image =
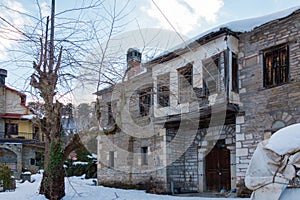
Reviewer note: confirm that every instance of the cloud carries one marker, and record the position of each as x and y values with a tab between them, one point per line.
45	9
184	15
9	34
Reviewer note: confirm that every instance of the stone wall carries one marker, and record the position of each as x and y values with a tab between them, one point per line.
29	157
128	169
262	107
186	169
14	156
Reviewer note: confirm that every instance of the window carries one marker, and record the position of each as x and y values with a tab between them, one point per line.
211	72
23	100
185	83
276	66
110	119
163	90
111	159
145	102
36	133
234	73
11	129
144	153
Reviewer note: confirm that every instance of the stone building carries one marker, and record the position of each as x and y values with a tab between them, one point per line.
20	139
190	119
269	63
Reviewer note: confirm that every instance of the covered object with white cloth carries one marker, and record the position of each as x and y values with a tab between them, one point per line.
274	170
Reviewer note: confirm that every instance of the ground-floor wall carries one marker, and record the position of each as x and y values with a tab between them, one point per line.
20	157
11	155
175	161
32	158
130	161
188	172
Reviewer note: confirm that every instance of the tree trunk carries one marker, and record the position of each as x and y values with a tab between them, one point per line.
53	180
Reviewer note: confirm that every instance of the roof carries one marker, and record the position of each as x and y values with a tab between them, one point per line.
15	91
233	28
104	91
17	116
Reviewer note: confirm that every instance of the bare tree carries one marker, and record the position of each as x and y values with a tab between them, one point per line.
54	68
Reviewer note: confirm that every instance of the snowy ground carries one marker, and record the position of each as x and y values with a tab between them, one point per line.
83	189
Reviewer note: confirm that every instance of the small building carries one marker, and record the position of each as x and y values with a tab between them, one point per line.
21	145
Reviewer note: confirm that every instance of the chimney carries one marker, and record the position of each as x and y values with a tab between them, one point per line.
3	75
134	57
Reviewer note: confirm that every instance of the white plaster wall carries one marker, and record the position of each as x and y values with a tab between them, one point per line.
13	103
195	57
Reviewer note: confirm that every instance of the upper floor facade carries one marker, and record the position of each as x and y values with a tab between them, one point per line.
16	119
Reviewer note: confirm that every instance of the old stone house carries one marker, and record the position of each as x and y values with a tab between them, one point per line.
190	119
269	63
20	139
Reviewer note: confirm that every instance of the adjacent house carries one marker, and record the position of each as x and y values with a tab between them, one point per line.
190	119
20	138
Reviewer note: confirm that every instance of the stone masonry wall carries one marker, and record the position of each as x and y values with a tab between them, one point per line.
263	106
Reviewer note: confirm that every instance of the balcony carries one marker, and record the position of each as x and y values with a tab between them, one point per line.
21	135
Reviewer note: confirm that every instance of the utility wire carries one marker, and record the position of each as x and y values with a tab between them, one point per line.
169	22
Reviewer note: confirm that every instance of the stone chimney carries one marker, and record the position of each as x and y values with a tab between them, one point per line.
3	75
134	57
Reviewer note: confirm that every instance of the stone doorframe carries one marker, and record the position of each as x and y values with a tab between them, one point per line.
203	149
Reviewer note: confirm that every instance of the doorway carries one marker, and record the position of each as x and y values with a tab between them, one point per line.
218	168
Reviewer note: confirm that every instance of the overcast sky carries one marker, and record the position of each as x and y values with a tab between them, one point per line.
188	17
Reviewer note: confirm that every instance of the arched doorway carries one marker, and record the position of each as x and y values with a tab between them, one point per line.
218	168
9	158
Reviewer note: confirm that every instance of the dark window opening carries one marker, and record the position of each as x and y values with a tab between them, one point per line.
144	152
211	72
276	66
234	75
36	133
32	161
185	83
111	159
11	129
110	119
145	102
23	100
163	90
38	160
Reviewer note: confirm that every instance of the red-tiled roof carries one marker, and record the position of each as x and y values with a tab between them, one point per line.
11	116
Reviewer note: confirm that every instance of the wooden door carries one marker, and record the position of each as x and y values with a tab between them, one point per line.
218	169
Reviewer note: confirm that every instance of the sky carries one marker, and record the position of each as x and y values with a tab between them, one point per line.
186	17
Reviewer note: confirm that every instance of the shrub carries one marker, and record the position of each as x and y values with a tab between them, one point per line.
5	176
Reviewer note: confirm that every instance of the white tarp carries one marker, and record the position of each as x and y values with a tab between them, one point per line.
274	164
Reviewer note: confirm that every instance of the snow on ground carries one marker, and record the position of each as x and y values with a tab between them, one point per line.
86	191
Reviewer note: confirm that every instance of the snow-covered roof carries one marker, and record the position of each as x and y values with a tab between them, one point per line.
239	26
28	117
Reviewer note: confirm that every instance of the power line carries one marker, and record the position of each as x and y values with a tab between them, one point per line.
169	22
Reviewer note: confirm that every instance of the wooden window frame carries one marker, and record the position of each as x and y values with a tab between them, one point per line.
185	83
276	66
210	86
145	101
110	118
234	73
11	129
163	90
